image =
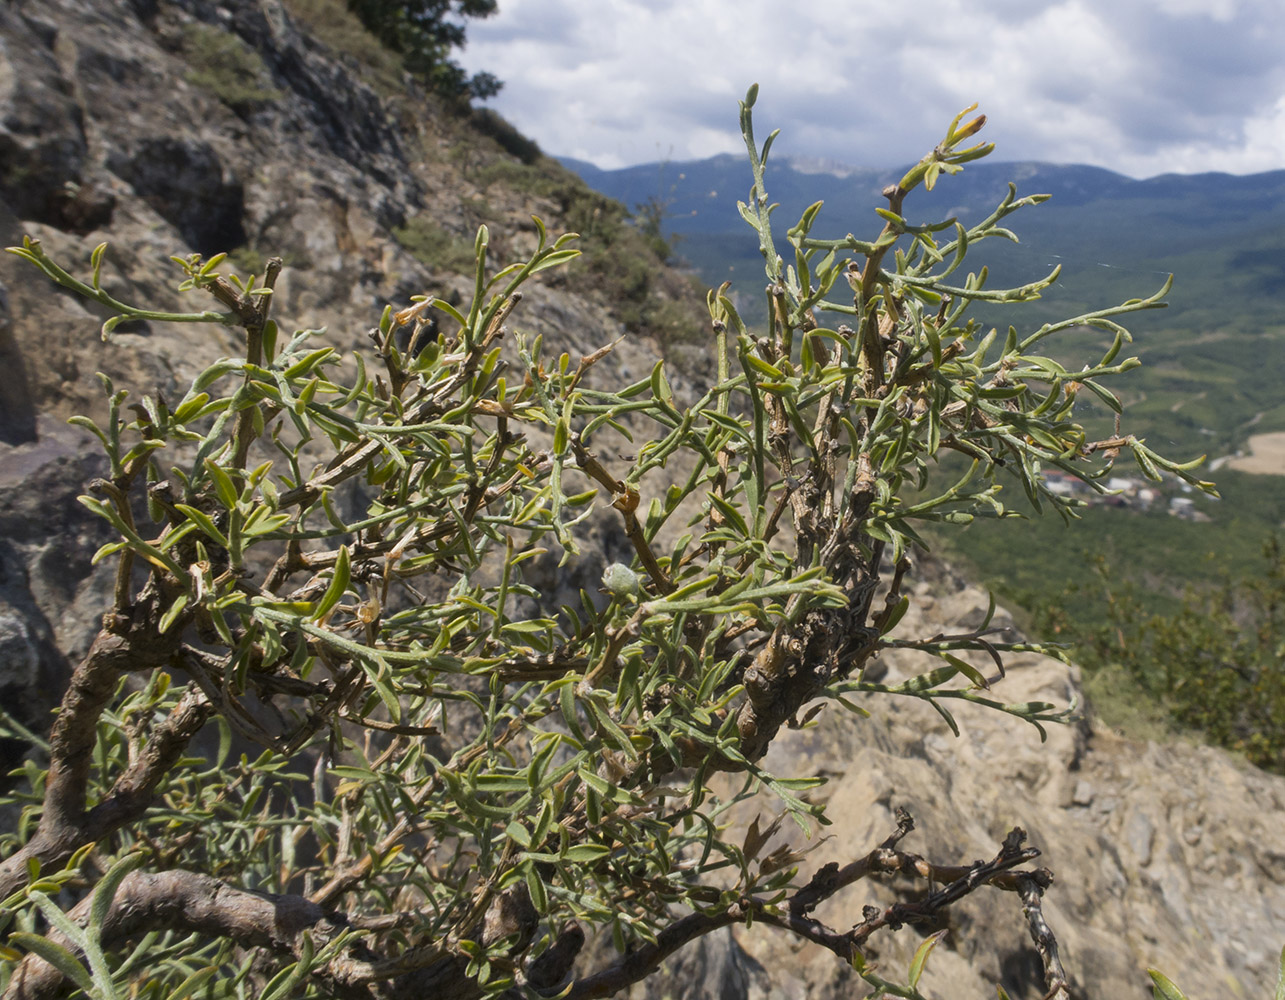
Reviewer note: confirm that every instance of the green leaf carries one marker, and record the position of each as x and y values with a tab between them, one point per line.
204	522
96	264
609	729
222	483
338	585
730	514
554	259
308	362
57	956
378	673
105	891
898	612
968	670
1163	988
585	853
502	783
921	956
535	885
927	681
192	983
659	384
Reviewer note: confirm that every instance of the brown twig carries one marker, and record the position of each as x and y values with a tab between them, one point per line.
625	499
131	644
187	901
1031	888
794	916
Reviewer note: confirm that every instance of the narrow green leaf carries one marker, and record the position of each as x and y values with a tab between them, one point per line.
338	585
96	264
222	483
554	259
192	983
57	956
1163	988
535	885
731	514
204	522
927	681
585	853
105	891
921	956
898	612
968	670
659	385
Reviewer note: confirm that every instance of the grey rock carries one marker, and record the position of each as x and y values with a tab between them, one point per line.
17	414
185	182
1133	886
19	652
1139	834
42	138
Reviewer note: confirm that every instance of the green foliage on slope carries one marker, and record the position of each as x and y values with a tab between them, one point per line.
224	65
423	33
1215	665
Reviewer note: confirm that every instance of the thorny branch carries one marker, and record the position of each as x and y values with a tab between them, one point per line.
960	880
1031	888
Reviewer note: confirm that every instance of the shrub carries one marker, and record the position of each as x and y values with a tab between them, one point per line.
228	68
434	246
451	777
1215	666
621	260
494	126
342	31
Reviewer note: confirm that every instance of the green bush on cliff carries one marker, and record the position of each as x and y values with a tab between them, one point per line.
336	738
228	68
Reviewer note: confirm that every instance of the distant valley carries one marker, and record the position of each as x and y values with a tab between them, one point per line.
1214	359
1204	228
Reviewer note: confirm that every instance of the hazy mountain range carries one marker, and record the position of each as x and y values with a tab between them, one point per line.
1222	236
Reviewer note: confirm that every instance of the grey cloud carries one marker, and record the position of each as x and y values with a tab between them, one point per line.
1137	85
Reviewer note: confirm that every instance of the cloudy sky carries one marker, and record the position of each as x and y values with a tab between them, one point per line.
1138	86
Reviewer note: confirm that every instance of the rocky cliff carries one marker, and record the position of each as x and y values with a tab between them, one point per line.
177	126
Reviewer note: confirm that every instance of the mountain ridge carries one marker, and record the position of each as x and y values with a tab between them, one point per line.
1116	237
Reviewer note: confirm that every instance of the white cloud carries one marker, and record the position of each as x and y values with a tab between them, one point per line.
1139	86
